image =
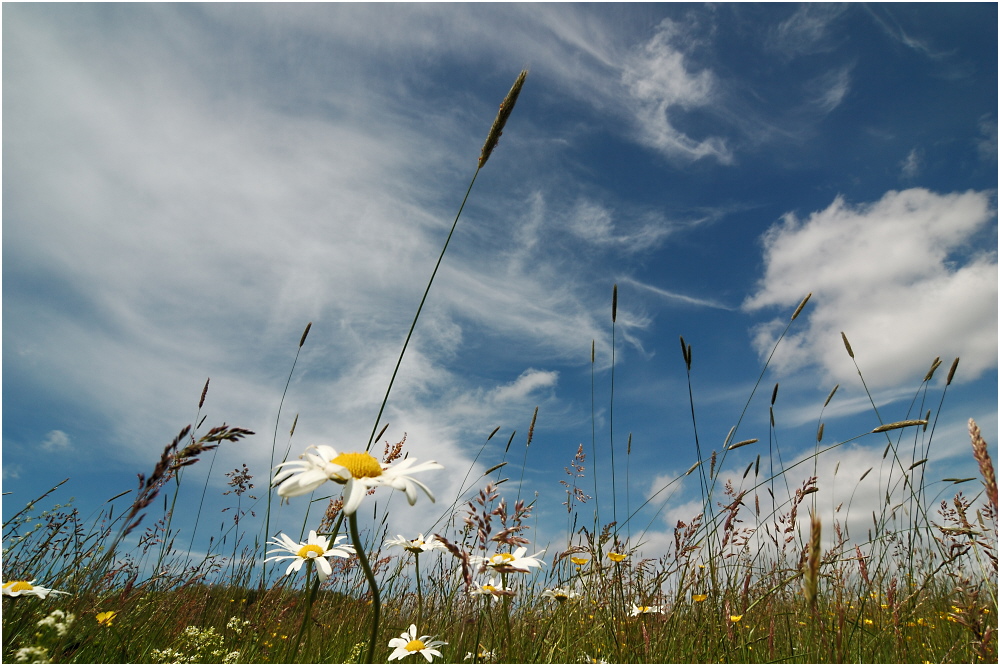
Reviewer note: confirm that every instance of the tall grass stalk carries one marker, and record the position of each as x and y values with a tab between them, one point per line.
506	107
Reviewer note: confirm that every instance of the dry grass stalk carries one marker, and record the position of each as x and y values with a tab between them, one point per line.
830	397
745	442
798	310
506	107
982	455
951	372
847	344
900	424
305	334
811	573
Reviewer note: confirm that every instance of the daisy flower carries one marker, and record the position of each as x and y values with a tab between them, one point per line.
560	594
315	549
408	644
359	472
509	562
20	588
641	610
418	545
493	590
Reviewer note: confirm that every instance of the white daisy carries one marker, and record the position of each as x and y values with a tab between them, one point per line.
560	594
493	590
641	610
20	588
418	545
358	471
509	562
408	644
316	549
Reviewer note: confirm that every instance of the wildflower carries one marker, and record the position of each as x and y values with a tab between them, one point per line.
315	549
106	617
493	590
735	618
20	588
587	659
698	598
58	620
483	655
360	472
641	610
560	594
617	557
408	644
509	562
32	655
418	545
579	561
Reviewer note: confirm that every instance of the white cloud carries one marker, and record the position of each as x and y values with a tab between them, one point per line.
659	82
897	276
830	89
807	30
529	382
56	440
911	165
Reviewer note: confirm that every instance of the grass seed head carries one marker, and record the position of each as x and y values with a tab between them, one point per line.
506	107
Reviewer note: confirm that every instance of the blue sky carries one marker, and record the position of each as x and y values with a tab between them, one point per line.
186	186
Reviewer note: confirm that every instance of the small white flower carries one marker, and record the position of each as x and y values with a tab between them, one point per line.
493	590
509	562
315	549
561	594
359	472
418	545
641	610
58	620
484	655
19	588
408	644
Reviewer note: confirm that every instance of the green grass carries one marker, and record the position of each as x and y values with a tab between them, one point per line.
759	575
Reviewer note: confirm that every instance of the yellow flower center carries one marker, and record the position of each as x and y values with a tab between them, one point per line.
306	552
502	558
360	465
415	645
21	586
561	596
489	588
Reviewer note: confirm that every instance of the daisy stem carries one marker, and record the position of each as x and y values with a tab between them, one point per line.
308	614
352	521
420	595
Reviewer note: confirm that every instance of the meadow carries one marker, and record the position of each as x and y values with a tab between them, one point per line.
759	575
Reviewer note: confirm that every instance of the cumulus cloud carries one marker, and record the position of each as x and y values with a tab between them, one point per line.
897	276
